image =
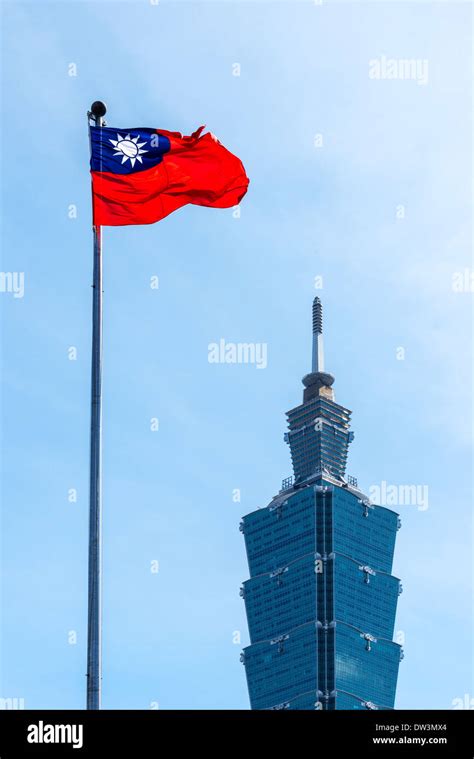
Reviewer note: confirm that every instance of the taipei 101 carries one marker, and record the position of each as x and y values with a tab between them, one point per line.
236	299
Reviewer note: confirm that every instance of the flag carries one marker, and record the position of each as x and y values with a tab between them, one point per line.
139	176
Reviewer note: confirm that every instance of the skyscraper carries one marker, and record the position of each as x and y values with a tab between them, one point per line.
321	599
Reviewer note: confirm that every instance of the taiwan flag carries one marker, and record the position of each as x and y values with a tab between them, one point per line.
139	176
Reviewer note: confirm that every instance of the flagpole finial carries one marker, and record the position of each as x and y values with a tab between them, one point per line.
98	109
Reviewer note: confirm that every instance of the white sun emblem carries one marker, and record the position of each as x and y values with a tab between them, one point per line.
130	149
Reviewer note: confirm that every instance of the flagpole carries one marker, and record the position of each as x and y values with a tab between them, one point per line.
94	610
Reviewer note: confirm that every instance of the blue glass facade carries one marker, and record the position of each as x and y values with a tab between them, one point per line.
319	437
321	599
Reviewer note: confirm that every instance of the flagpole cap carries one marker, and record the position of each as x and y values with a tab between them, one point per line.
98	109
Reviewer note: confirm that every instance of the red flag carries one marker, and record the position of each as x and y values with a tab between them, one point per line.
139	176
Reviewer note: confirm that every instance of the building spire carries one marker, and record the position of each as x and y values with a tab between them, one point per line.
318	382
318	351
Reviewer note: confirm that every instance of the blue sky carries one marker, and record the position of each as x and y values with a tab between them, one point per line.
332	211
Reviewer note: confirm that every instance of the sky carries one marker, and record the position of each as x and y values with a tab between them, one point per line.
360	192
